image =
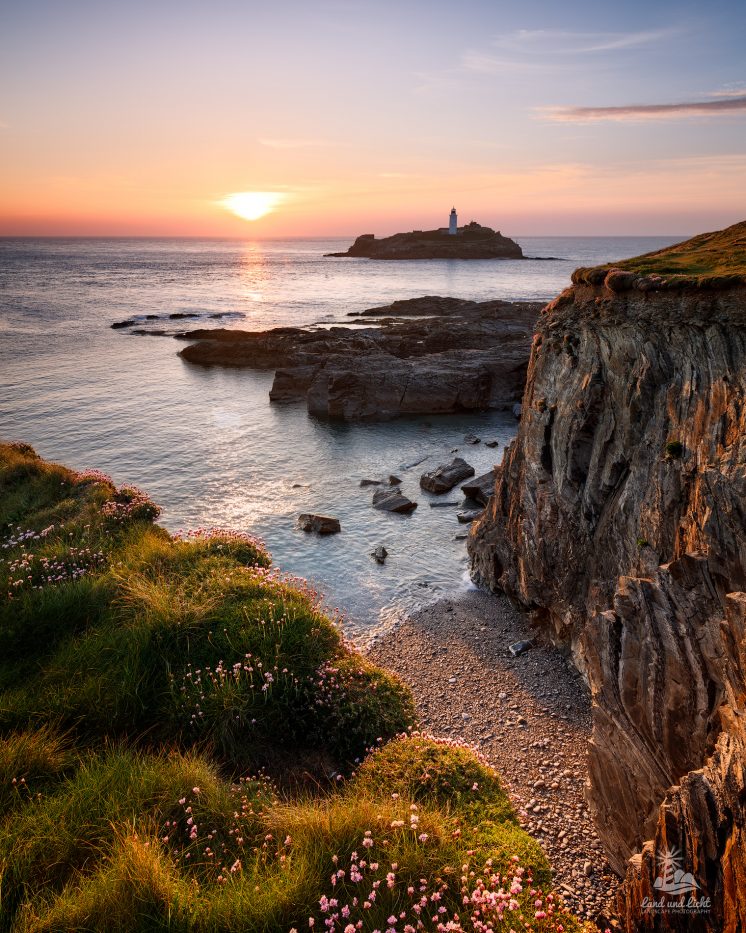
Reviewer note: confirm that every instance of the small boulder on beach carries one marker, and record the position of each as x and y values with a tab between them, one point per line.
321	524
446	476
391	500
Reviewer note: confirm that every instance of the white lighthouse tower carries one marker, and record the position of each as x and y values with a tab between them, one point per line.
453	223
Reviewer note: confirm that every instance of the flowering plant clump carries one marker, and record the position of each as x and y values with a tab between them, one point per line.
94	476
21	536
373	895
215	846
237	691
129	504
34	572
245	548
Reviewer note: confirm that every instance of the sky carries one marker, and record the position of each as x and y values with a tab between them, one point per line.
370	116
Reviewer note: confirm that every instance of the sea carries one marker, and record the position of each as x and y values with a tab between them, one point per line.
206	443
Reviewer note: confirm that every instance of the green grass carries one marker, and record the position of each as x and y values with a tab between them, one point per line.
186	741
711	260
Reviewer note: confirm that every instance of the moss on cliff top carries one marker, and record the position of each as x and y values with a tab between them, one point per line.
711	259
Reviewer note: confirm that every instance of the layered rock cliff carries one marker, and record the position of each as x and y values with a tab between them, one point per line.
619	519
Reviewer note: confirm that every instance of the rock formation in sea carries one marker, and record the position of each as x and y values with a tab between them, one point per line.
472	241
422	356
619	520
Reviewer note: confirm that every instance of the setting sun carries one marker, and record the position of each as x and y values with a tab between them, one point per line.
251	205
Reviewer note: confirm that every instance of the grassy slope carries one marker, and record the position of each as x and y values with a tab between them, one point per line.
709	256
144	679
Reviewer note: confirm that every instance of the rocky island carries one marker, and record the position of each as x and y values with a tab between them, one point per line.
472	241
618	520
420	356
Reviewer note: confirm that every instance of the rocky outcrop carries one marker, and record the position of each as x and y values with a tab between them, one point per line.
619	519
426	355
471	242
321	524
480	488
392	500
444	477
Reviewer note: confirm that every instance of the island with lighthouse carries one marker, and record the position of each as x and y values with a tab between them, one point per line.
472	241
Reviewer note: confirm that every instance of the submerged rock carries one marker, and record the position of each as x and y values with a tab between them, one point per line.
469	515
391	500
446	476
321	524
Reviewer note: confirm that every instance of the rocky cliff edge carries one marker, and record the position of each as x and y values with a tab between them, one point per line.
619	519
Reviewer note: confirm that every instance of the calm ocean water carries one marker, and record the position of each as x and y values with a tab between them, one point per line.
206	443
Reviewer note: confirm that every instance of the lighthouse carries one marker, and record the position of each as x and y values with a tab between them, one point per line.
453	223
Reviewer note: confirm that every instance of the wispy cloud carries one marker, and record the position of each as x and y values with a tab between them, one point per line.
565	42
636	112
543	50
291	143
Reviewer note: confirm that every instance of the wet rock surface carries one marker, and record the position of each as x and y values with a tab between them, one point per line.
444	477
530	715
320	524
392	500
423	355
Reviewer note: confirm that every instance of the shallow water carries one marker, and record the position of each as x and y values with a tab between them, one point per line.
206	443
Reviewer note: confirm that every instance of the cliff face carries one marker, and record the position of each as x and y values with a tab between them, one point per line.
619	518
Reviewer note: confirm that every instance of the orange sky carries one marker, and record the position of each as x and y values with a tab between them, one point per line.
365	118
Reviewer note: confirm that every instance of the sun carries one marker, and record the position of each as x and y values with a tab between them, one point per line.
251	205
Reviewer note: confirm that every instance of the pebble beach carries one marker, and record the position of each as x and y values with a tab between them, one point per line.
529	715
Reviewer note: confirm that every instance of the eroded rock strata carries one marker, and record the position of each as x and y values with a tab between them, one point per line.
619	518
426	355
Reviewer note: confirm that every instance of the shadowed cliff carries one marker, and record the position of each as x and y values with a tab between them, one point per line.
619	518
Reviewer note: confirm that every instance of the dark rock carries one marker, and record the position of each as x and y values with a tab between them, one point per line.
480	488
471	515
472	439
520	647
391	500
119	324
472	242
467	356
321	524
445	477
491	443
636	564
443	505
394	480
370	482
380	554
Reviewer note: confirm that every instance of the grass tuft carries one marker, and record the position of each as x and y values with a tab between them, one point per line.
181	737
